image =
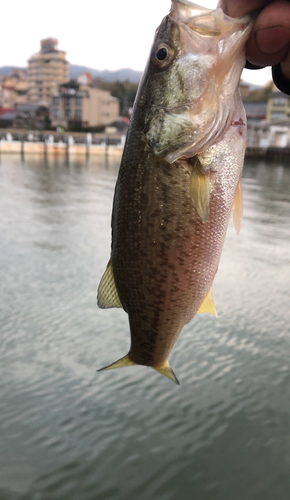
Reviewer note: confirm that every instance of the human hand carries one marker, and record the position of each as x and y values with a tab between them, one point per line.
269	42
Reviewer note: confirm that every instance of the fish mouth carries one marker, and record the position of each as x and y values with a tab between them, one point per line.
197	9
181	129
209	22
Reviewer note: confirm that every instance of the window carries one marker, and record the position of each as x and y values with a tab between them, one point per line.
56	101
279	101
78	114
277	115
68	100
79	101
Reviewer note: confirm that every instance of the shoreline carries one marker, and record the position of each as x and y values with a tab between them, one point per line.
67	146
59	148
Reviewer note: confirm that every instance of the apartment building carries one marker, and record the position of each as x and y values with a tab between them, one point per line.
46	70
85	105
278	107
13	89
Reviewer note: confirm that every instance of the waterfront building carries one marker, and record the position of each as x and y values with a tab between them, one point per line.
6	117
278	105
13	89
76	105
273	134
46	70
255	111
31	116
25	116
244	88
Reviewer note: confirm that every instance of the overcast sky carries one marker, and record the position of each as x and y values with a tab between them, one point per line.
101	34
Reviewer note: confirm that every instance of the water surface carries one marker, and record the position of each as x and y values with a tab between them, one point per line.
68	432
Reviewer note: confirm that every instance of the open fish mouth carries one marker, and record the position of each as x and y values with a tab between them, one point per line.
208	52
211	22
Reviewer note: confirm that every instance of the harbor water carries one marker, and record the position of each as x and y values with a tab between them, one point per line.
69	433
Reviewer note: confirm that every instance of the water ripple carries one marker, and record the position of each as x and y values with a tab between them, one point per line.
71	433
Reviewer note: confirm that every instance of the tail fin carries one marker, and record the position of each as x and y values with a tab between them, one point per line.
125	361
165	369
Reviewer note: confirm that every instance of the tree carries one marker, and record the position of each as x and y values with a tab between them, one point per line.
125	91
260	95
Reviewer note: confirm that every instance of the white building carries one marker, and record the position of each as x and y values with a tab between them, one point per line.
46	70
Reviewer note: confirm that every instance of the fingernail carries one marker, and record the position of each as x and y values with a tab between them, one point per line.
272	40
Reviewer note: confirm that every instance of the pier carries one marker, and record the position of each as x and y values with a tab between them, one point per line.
25	142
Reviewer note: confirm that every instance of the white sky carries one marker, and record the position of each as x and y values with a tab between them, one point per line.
101	34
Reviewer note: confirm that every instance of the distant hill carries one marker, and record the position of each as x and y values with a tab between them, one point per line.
6	70
110	76
76	70
119	74
252	86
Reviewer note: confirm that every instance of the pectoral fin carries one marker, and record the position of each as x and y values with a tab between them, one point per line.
107	292
200	187
208	305
238	207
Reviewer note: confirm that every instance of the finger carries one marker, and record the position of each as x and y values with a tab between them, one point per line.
237	8
285	66
270	37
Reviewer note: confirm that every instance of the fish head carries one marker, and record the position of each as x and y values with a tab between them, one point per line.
189	88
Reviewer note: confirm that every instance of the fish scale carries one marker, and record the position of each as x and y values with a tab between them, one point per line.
177	182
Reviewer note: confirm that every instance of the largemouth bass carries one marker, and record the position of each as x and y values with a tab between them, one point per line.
179	180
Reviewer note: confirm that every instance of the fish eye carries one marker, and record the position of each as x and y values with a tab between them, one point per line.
162	55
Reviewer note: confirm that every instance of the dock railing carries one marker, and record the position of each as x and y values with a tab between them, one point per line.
68	143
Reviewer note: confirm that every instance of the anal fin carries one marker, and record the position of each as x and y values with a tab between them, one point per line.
208	305
107	292
238	207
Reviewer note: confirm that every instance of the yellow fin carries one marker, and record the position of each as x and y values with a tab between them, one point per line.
167	371
238	207
208	305
200	192
121	363
107	292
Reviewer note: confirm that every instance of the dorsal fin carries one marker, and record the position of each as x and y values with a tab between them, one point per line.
107	292
238	207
